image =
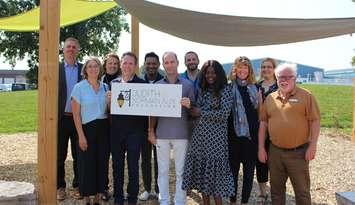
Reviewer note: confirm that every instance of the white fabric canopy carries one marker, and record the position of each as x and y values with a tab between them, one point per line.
226	30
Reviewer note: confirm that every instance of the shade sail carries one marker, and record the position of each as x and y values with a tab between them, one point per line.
72	11
226	30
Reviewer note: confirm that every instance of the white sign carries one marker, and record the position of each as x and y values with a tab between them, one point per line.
146	99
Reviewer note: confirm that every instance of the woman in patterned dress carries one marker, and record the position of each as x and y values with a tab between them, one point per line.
207	166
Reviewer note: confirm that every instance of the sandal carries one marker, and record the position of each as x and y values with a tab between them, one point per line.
262	199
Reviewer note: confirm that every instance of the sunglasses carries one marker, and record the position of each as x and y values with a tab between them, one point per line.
243	59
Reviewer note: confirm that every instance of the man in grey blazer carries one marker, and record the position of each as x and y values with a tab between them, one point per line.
69	75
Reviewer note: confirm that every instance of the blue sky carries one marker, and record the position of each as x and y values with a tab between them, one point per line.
330	53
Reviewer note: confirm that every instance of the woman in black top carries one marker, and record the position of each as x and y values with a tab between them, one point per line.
111	67
266	85
243	126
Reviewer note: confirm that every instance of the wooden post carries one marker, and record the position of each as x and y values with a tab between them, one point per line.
47	101
135	39
353	137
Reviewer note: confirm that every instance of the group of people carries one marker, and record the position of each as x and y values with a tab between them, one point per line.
267	125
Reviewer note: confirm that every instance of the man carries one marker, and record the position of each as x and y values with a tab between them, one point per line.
192	71
69	75
151	66
127	135
172	132
292	117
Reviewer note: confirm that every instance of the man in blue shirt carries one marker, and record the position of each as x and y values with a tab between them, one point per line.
167	132
69	75
192	71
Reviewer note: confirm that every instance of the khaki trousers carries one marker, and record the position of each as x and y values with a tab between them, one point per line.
291	164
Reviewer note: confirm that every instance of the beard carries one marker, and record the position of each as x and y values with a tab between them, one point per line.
192	67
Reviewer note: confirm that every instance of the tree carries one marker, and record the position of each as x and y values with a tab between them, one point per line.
97	36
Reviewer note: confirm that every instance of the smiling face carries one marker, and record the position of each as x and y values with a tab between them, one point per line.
151	65
286	80
242	71
267	70
128	64
191	61
112	65
92	69
210	76
170	63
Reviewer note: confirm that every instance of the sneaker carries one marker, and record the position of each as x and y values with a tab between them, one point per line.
144	196
61	194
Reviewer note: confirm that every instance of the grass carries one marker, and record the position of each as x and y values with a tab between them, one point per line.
335	104
18	110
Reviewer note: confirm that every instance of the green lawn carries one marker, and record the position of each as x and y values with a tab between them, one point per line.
18	110
335	104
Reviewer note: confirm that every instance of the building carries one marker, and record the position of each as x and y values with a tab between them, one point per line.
305	73
13	76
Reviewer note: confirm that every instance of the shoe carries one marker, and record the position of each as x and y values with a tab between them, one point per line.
262	199
105	195
144	196
61	194
76	194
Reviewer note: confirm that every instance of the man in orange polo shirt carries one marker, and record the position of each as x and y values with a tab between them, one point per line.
292	118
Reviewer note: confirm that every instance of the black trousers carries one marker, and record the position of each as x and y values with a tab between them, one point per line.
93	163
146	166
66	131
122	143
242	150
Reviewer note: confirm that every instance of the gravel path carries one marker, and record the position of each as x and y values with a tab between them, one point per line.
332	170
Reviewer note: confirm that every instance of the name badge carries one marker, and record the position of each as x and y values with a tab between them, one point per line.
293	100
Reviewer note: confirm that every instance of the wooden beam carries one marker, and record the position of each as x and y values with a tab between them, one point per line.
353	137
48	100
135	39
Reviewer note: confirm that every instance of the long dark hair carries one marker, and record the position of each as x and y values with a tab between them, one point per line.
221	79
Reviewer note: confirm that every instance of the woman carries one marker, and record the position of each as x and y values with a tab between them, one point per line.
112	71
207	166
90	117
111	68
243	125
267	84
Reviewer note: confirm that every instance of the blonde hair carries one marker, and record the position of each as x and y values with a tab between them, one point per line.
242	60
95	59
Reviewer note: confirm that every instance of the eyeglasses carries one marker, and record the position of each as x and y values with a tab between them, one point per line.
285	78
264	66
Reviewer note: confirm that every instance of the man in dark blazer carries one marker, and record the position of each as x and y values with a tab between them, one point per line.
69	75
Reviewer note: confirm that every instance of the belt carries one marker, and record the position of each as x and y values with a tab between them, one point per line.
292	149
69	114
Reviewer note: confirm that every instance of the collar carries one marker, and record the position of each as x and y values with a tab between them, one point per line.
130	80
292	93
159	77
66	65
176	82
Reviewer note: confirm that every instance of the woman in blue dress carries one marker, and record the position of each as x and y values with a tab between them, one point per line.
207	166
